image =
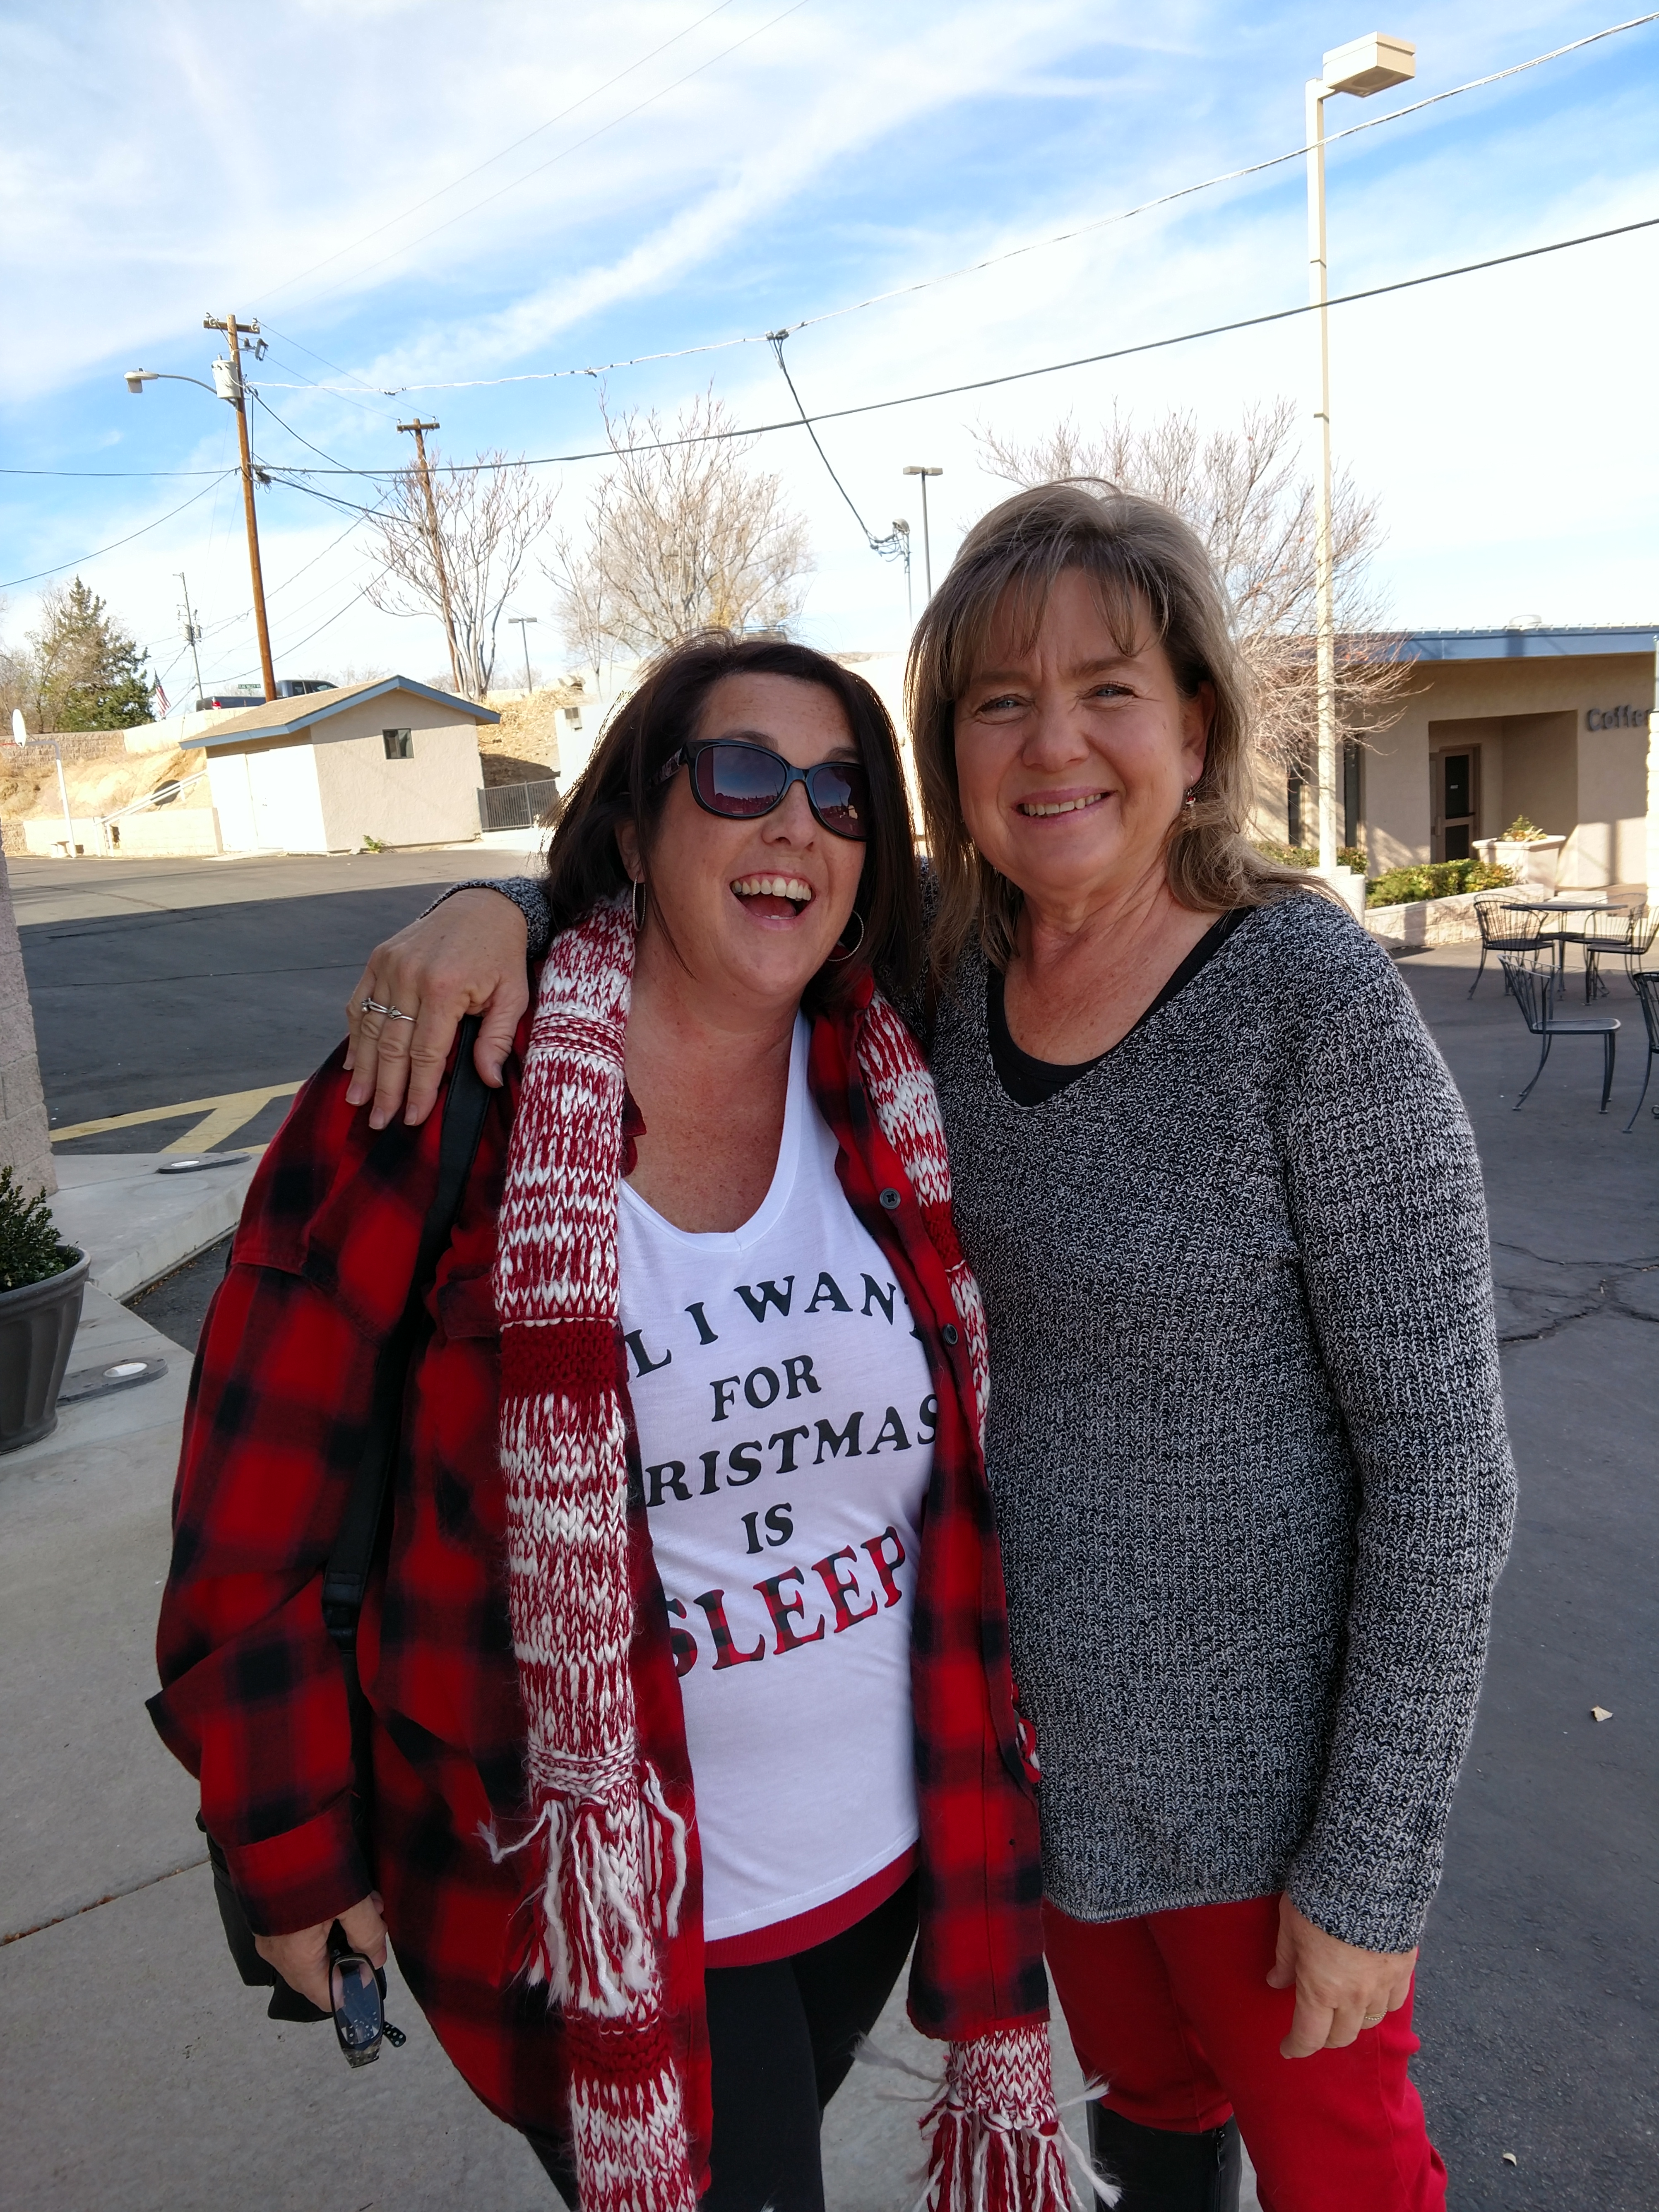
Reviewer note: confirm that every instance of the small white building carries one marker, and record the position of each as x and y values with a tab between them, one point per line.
395	760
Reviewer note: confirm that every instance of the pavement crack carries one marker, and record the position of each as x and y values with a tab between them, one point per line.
75	1912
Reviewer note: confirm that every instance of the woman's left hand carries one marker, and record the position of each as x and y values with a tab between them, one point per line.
1339	1988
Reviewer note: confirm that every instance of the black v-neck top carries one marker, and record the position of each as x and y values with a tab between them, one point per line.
1027	1080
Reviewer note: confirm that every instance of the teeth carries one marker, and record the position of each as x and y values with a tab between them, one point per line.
1039	808
789	887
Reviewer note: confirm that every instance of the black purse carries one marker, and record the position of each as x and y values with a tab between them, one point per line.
351	1560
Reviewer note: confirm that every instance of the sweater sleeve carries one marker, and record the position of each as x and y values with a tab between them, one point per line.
1389	1214
526	893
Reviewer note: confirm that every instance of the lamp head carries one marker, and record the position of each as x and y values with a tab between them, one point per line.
1369	65
139	378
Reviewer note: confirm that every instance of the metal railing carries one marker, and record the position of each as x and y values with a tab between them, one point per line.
159	797
520	805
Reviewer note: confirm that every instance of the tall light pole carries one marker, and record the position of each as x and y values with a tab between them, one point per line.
192	632
227	385
524	621
926	542
1361	67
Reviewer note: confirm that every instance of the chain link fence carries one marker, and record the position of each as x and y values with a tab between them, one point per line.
520	805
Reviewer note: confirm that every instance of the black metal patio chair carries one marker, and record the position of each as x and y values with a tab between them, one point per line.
1646	984
1533	991
1504	927
1621	933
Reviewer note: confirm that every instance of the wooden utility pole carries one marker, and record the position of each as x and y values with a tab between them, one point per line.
237	399
420	430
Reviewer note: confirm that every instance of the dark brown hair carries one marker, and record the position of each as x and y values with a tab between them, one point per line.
619	785
1148	567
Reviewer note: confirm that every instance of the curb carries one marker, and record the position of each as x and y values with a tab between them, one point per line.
139	1225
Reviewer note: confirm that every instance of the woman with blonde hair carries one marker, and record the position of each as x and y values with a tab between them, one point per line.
1246	1437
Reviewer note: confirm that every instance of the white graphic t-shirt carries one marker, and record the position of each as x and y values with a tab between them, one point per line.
785	1419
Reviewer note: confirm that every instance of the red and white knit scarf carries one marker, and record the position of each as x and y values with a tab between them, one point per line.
611	1851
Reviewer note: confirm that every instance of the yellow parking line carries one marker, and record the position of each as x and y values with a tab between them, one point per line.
220	1118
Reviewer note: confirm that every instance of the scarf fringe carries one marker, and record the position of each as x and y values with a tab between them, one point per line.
993	2134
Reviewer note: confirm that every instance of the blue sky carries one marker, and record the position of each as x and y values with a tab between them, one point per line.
782	162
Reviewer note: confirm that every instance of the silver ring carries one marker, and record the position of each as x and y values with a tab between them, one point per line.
392	1013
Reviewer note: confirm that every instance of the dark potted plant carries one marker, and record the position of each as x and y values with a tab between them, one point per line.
42	1283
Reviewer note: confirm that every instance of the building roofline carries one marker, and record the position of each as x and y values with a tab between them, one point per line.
1564	640
266	720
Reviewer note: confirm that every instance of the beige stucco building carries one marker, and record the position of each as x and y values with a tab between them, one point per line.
396	761
1552	723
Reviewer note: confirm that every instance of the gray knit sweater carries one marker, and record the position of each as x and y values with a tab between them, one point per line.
1246	1437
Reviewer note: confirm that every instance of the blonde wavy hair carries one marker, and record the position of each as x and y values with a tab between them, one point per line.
1147	566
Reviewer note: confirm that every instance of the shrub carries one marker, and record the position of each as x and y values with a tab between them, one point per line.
1307	856
1436	880
30	1246
1520	831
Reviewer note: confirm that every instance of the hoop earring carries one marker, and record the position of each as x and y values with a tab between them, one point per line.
637	900
837	958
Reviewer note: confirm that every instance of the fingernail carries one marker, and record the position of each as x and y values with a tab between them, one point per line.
357	1094
378	1119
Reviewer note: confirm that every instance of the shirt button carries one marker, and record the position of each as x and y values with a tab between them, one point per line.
889	1199
950	1333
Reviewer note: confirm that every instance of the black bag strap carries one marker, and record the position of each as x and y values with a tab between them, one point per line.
345	1578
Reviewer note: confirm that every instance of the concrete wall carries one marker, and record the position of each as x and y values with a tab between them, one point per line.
25	1145
430	800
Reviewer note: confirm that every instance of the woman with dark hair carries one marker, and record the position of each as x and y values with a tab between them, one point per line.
685	1690
1246	1435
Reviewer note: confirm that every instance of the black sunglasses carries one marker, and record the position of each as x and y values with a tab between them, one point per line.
740	782
357	1994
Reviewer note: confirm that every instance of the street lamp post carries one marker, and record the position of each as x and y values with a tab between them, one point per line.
926	542
524	621
1361	67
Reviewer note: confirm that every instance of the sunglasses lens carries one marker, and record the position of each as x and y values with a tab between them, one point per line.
739	780
841	797
358	2019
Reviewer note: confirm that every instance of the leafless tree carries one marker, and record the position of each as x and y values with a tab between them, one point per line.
489	517
679	538
1243	492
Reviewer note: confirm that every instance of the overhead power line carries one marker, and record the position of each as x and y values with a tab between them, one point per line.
1019	375
115	543
1032	246
466	175
575	147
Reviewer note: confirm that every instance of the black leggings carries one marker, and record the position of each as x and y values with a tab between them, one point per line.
780	2040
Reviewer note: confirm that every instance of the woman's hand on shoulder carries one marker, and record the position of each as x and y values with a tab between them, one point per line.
301	1959
1340	1990
466	957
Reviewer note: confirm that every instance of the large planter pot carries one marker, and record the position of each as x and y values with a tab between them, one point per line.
1534	859
37	1328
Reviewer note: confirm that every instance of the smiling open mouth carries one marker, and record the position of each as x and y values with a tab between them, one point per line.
1039	810
773	896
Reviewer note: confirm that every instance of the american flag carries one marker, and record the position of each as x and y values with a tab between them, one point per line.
161	697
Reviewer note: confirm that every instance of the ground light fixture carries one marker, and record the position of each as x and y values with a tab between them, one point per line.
1361	67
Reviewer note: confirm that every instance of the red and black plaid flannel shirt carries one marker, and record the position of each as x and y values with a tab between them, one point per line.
254	1699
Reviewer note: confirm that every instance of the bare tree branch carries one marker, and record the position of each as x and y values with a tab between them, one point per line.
679	541
489	518
1243	492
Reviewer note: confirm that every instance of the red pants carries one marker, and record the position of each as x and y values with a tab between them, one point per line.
1173	2012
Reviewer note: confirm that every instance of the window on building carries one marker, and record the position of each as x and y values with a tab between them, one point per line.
1352	799
1295	791
399	743
574	716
